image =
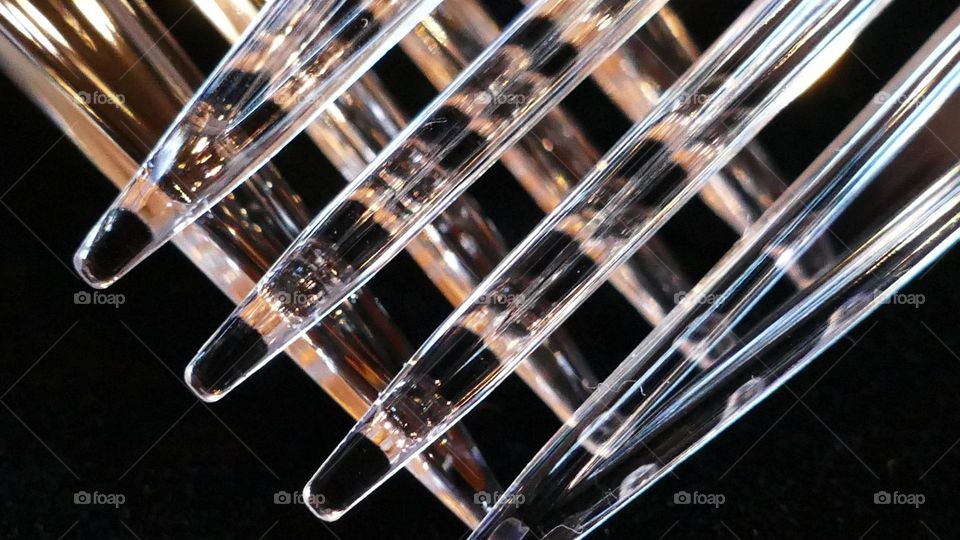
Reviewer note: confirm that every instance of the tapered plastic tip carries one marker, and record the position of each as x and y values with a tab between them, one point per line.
231	355
112	248
354	470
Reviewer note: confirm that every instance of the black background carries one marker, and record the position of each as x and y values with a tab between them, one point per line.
92	398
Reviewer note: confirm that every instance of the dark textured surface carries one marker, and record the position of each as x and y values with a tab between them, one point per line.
91	397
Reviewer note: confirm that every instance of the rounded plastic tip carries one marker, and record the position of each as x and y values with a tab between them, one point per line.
351	473
315	502
198	386
82	267
112	248
231	355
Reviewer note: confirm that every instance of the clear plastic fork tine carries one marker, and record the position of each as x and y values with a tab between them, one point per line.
764	60
290	63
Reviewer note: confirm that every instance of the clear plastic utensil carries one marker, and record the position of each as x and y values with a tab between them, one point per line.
111	76
294	60
549	48
555	155
770	55
571	488
641	71
456	250
638	400
551	159
708	317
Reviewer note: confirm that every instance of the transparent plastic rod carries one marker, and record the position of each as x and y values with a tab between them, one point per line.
456	250
623	410
549	160
573	486
113	79
291	62
708	317
549	48
770	55
641	71
552	158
